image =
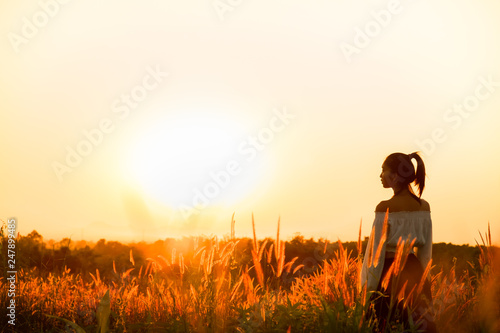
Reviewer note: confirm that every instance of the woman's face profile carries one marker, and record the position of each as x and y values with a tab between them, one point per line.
387	177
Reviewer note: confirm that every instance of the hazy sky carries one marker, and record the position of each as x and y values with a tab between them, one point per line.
134	120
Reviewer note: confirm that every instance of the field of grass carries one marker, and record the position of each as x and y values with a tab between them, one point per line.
212	289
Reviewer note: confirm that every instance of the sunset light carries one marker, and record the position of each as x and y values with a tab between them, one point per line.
173	155
191	165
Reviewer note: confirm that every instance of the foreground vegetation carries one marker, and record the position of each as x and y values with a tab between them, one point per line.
230	285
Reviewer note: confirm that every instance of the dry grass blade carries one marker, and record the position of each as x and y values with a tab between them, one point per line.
407	249
96	279
276	249
194	294
127	272
132	258
226	255
297	268
398	256
210	261
482	239
289	264
228	248
232	227
341	248
388	276
270	254
132	292
200	250
258	268
489	234
363	298
235	288
221	280
140	272
401	294
325	280
360	244
181	264
408	301
369	250
383	238
249	289
424	277
255	244
281	261
262	248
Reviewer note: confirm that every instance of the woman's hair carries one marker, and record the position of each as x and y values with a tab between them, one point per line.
401	164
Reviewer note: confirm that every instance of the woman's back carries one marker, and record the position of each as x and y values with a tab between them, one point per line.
403	203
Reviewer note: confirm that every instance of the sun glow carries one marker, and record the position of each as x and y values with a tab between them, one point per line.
191	161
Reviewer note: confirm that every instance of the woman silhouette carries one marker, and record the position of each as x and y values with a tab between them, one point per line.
408	220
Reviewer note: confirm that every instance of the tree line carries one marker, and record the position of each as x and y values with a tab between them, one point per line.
112	257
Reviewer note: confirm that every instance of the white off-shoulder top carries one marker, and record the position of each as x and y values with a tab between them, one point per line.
407	225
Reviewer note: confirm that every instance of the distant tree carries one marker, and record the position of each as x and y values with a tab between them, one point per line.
30	250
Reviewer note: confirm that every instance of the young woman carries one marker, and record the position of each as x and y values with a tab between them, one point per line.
409	219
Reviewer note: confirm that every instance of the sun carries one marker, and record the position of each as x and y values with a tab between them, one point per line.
191	161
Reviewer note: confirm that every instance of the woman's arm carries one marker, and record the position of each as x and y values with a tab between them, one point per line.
371	270
424	253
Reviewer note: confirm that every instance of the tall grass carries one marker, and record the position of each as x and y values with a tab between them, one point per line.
213	292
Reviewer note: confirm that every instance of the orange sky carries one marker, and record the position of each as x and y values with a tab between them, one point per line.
136	120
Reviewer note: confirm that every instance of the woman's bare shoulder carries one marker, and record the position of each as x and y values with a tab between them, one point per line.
382	206
396	205
424	205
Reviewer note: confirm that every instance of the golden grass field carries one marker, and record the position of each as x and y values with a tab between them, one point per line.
211	291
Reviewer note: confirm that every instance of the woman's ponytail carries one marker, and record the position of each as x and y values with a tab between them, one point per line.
419	173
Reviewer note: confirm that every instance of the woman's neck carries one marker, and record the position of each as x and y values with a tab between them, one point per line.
405	192
401	191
